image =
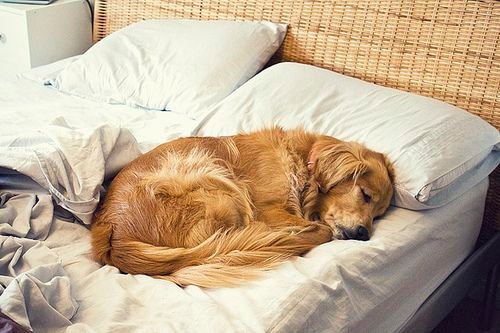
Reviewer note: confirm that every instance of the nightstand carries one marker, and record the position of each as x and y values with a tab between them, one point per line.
34	35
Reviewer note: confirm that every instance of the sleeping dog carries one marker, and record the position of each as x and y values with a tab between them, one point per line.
218	211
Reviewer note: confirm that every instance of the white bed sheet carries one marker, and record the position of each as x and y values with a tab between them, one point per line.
340	286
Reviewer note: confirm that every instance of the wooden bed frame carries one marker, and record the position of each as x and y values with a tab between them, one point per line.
445	49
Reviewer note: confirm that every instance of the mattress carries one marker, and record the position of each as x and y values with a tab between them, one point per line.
341	286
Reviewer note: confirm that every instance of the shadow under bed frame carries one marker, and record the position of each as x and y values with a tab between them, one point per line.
484	261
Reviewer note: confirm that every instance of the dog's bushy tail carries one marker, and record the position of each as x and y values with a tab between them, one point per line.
227	258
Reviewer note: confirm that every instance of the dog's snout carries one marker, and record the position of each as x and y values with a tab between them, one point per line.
358	233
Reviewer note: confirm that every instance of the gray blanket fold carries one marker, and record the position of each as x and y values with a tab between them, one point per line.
57	165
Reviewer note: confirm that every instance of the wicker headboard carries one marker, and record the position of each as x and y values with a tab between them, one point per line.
446	49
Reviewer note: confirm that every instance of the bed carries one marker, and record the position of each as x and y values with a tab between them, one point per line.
419	263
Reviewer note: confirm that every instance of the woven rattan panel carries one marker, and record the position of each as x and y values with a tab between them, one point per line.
447	49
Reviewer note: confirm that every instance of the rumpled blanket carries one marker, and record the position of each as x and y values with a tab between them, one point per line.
55	170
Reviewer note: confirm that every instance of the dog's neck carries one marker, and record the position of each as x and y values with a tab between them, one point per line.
303	143
304	147
309	192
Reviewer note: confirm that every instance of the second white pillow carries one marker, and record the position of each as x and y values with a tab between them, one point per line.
439	151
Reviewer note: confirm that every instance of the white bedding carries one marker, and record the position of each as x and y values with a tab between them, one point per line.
27	104
340	286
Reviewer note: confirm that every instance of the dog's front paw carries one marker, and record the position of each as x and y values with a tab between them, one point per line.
323	230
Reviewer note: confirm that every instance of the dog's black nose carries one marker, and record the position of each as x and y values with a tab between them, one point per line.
362	233
357	233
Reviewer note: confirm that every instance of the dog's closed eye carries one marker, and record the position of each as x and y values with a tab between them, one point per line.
366	196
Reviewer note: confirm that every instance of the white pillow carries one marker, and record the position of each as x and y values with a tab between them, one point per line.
172	65
439	151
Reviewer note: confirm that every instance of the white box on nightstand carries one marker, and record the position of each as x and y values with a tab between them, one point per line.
35	35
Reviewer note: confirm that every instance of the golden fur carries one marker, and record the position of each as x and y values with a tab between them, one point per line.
218	211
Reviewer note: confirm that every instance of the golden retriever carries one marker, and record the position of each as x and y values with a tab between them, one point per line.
218	211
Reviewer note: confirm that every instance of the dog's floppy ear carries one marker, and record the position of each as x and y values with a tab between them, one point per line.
331	162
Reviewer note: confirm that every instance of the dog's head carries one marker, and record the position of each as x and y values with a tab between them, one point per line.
349	186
